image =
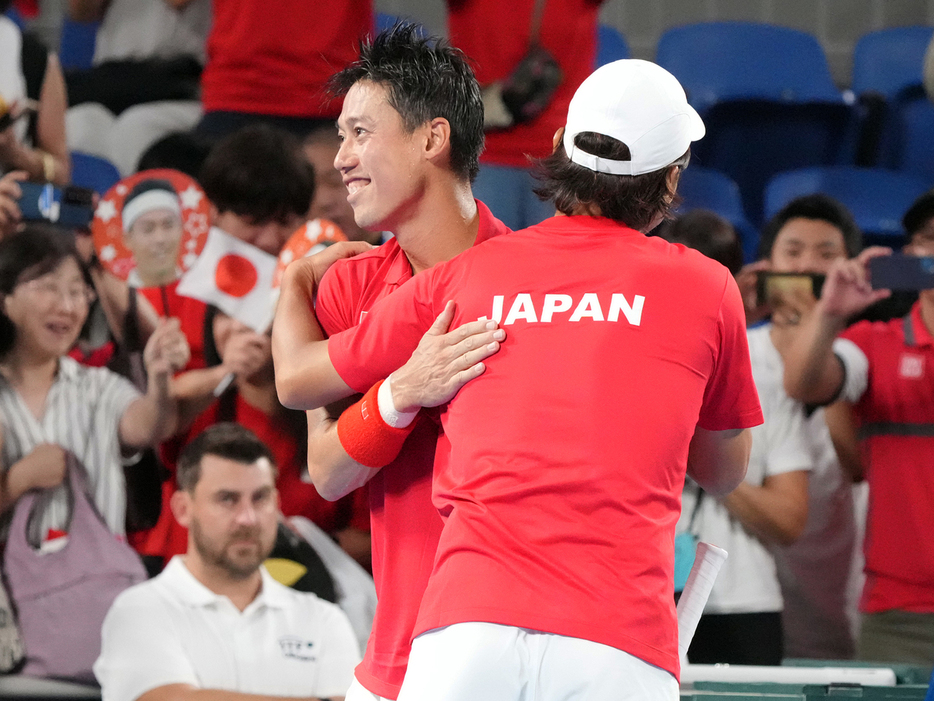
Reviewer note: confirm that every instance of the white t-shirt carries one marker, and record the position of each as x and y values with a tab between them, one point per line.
174	630
139	29
747	582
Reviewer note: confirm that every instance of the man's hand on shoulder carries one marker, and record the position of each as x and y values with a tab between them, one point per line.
307	273
444	361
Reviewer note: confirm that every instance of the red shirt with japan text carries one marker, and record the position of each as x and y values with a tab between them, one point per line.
567	457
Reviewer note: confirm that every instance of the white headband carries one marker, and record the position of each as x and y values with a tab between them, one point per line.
147	202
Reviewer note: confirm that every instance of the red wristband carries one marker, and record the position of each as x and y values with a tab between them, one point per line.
366	437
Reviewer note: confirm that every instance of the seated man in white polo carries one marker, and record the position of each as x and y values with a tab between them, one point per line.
214	619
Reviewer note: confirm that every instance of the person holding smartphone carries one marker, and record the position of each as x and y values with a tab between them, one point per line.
776	595
886	369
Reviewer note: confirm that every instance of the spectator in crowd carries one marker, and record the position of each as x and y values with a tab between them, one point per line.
273	66
260	186
789	526
148	56
707	232
214	619
511	577
32	92
330	202
421	97
884	369
815	572
49	404
568	32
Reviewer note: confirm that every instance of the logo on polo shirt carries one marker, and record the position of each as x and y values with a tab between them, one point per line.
297	649
911	366
561	307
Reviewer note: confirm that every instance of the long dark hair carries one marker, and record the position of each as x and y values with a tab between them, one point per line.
25	256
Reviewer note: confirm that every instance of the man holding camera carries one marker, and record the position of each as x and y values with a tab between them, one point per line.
784	585
887	371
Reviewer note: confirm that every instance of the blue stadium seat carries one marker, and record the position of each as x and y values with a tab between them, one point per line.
898	118
76	50
890	60
704	188
611	45
877	198
93	172
766	96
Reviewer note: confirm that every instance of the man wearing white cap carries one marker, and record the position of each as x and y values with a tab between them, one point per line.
623	364
152	230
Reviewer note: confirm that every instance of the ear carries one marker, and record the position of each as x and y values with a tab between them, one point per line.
181	507
214	213
439	138
672	178
558	138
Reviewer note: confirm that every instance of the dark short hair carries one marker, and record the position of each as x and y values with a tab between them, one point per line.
259	172
225	440
29	254
919	213
184	151
709	233
425	77
818	207
632	200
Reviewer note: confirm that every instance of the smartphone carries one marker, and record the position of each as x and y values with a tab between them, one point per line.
70	206
770	286
901	272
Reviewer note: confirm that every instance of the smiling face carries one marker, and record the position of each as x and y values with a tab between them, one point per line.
154	239
380	162
807	246
49	311
231	515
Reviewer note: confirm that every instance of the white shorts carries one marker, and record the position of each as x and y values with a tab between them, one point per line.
471	661
358	692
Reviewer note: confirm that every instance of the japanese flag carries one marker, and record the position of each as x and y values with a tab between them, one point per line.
235	277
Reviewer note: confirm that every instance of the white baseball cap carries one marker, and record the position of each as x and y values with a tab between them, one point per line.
640	104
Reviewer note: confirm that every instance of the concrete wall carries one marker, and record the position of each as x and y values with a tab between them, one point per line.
837	23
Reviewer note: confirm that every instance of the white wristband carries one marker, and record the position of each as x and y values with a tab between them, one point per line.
387	407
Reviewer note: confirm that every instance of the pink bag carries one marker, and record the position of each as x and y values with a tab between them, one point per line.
61	597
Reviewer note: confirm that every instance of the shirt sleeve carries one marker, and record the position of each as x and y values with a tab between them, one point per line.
855	369
787	448
339	656
140	650
388	334
332	303
731	400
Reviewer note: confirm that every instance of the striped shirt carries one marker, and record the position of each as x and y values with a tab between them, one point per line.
82	415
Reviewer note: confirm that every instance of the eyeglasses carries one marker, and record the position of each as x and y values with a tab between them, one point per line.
49	291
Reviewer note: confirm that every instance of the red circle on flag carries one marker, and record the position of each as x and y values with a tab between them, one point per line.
235	275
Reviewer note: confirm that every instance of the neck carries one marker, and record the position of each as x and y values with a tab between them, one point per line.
241	592
23	367
445	222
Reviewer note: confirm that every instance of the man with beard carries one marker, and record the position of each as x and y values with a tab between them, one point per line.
214	619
